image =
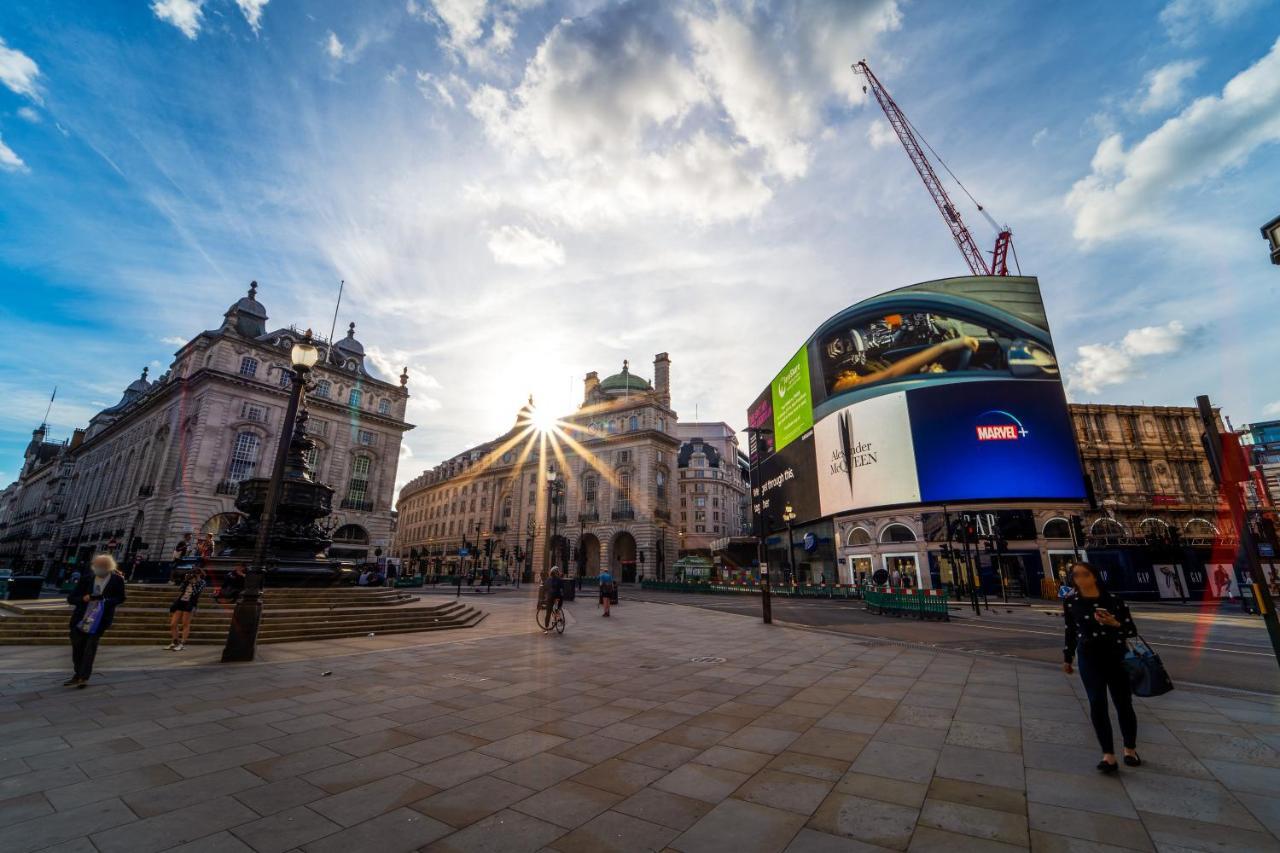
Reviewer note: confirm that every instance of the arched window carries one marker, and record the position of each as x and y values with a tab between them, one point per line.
244	457
358	485
1107	528
660	485
858	536
1200	527
322	389
1153	528
897	533
1057	528
351	534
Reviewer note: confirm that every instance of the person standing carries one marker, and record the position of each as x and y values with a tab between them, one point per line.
1097	623
606	590
183	609
94	599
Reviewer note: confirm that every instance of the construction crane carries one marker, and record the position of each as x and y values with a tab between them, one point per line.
915	146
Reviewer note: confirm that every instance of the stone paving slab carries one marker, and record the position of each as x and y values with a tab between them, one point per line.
611	738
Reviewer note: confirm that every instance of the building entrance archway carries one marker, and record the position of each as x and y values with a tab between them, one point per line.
622	557
560	554
588	556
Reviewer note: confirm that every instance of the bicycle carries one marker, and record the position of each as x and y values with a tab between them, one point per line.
549	618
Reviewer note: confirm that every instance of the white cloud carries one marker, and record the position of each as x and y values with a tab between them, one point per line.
1183	19
446	90
174	341
9	161
252	11
1130	191
28	114
18	71
477	31
184	14
1164	85
645	109
334	47
1271	409
517	246
880	135
1100	365
1039	137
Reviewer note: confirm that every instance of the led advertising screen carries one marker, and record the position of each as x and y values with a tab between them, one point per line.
945	391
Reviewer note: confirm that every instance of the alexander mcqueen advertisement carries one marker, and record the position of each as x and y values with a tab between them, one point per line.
865	456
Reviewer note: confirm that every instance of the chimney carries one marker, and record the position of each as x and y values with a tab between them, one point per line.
662	377
589	384
77	438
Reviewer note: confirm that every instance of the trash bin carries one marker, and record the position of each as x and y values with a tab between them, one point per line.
25	586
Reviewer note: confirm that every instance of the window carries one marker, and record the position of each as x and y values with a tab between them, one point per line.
248	366
353	399
317	427
244	457
897	533
624	491
366	437
701	528
313	459
251	412
624	456
358	487
662	425
384	407
700	502
589	489
633	424
1057	528
286	378
322	389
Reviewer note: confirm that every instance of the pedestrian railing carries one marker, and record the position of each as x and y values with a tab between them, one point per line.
920	603
749	587
411	581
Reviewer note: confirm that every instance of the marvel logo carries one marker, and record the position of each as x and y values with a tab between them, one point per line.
997	432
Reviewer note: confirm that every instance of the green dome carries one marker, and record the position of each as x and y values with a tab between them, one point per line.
625	381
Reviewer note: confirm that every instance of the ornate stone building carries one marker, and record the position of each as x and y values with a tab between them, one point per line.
613	459
164	463
715	486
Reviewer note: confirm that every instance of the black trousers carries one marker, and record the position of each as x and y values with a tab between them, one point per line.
1104	672
84	648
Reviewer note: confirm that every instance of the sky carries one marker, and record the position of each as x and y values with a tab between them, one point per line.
519	191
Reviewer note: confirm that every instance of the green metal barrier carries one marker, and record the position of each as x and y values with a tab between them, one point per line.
414	580
920	603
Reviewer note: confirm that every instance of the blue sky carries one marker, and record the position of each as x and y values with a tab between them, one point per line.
518	191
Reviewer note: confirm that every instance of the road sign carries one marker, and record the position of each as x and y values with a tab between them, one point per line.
463	552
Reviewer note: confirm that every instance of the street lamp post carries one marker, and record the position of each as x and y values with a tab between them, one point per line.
788	516
242	637
758	505
555	488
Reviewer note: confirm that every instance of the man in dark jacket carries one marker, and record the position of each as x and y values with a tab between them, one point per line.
94	600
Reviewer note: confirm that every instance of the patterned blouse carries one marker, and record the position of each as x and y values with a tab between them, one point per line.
1084	630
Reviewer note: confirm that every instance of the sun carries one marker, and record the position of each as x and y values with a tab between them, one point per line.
542	419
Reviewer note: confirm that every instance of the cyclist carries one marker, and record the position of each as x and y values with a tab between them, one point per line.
555	593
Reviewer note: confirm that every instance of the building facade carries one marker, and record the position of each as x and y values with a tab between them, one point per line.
715	487
608	502
163	465
1154	501
1262	442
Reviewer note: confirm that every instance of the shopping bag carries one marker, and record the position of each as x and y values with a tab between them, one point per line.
1147	675
92	618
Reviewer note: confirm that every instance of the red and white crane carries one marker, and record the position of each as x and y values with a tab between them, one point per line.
916	146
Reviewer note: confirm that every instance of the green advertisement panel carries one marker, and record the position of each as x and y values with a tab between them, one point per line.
792	400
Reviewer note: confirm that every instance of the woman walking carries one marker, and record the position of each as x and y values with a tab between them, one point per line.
95	599
183	609
606	590
1097	625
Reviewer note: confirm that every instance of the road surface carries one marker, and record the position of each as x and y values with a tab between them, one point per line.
1219	648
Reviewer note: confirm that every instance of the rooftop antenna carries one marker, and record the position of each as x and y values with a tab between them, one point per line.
333	327
44	424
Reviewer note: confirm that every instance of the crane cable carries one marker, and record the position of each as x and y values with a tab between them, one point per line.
944	165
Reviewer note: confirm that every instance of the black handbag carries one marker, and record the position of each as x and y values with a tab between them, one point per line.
1147	675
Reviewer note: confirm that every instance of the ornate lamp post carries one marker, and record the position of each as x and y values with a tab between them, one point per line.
788	516
555	490
242	638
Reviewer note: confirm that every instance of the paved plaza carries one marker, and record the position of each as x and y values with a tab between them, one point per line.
663	728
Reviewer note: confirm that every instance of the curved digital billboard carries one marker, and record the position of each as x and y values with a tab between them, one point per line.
945	391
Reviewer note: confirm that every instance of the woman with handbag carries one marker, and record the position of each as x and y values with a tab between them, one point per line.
1098	624
95	599
183	609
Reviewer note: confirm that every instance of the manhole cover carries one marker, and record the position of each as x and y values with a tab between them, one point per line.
706	659
469	679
